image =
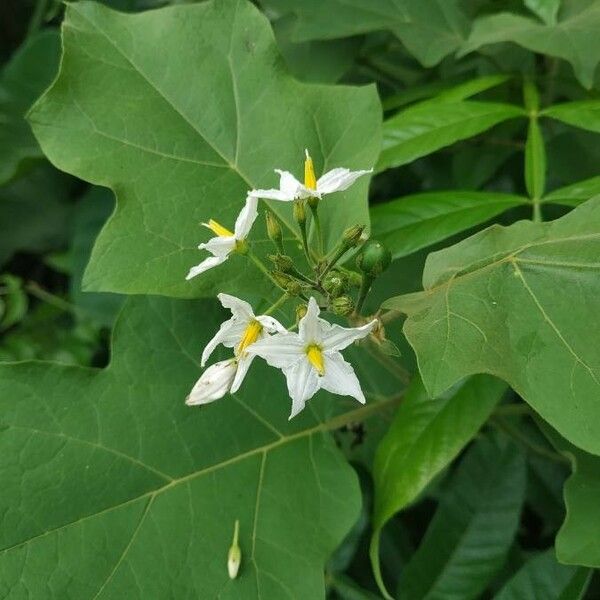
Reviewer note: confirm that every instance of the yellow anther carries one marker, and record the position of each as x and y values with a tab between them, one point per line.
315	358
310	180
250	336
218	229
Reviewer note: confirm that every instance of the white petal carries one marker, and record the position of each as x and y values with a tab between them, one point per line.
244	363
288	184
246	218
338	180
340	378
229	334
303	383
309	326
270	325
271	194
206	264
219	246
337	338
239	308
280	350
214	383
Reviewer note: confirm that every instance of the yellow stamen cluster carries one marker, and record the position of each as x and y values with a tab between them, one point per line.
310	181
253	330
315	358
218	229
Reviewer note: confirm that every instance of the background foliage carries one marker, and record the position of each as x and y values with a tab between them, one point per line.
473	471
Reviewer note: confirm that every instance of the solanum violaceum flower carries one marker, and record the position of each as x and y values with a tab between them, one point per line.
227	241
311	359
290	188
214	383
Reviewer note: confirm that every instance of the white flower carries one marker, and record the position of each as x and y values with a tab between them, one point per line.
336	180
226	241
214	384
240	332
311	359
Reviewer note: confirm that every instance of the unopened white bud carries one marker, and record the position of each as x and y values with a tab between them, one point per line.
214	383
234	557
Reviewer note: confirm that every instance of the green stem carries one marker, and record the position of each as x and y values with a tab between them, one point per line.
37	17
315	213
537	210
276	304
262	267
339	253
35	290
362	294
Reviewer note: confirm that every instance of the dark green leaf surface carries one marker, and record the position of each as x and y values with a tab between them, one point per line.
181	141
473	528
113	488
429	30
574	38
517	302
574	195
22	80
584	114
408	224
544	9
433	124
543	578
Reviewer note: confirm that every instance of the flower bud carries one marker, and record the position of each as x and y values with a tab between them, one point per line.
234	556
282	262
273	228
342	306
301	311
313	202
281	279
299	212
214	383
335	284
352	235
374	258
354	278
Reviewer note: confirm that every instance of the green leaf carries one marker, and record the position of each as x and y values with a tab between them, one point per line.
574	38
517	302
430	125
574	195
535	161
544	9
13	301
113	488
424	438
543	578
578	541
219	113
408	224
473	528
22	80
584	114
429	30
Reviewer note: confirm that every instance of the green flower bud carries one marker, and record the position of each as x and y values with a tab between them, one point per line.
354	278
299	212
273	227
282	262
335	284
301	311
352	235
281	279
313	202
374	258
342	306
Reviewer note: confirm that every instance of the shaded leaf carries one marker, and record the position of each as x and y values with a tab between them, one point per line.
517	302
543	578
574	38
211	125
573	195
408	224
140	493
22	80
584	114
473	527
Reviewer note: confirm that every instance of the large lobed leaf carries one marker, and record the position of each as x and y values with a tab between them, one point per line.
113	488
519	302
180	111
22	80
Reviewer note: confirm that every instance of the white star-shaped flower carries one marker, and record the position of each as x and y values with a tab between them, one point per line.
311	359
239	332
336	180
226	241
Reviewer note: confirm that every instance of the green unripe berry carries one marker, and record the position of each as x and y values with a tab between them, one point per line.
374	258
